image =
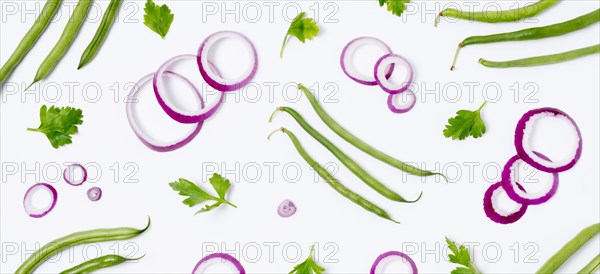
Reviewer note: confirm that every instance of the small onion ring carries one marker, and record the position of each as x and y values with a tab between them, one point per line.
394	253
286	209
394	109
381	78
30	209
140	134
177	115
223	256
94	193
490	211
348	52
528	156
510	190
213	78
69	178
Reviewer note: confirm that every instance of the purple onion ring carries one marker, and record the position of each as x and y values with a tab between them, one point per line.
404	109
509	185
490	211
33	211
223	256
68	174
381	78
348	52
381	257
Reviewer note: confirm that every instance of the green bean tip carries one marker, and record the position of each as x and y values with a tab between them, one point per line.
279	129
273	114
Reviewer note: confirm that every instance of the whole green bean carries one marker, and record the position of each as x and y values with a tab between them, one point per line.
358	143
77	238
333	182
532	33
354	167
65	40
543	60
591	267
34	33
97	263
108	20
560	257
495	16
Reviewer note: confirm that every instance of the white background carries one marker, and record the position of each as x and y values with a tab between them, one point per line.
235	138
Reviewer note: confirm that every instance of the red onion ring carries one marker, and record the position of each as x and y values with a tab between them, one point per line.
527	155
94	193
381	257
381	76
140	134
176	114
223	256
509	187
286	209
490	211
69	173
212	77
33	211
404	109
348	52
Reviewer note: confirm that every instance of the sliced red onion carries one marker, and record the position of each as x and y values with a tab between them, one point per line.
222	256
286	209
138	131
403	109
490	211
521	196
348	53
69	175
172	111
31	209
94	194
382	77
385	255
213	78
523	134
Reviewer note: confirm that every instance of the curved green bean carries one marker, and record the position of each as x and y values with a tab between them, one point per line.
65	40
77	238
360	144
532	33
495	16
542	60
97	263
108	20
354	167
591	267
333	182
560	257
30	38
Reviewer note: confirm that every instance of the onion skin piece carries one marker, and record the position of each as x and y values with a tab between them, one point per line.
223	256
560	257
394	253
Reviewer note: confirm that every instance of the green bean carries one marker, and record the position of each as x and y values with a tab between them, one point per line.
358	143
560	257
333	182
65	40
354	167
543	60
97	263
591	267
495	16
77	238
34	33
108	20
532	33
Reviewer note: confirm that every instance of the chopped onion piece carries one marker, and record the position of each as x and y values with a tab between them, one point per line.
286	209
38	212
94	194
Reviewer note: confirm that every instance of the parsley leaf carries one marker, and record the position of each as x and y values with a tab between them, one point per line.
309	266
465	123
158	18
460	255
195	195
397	7
59	124
302	28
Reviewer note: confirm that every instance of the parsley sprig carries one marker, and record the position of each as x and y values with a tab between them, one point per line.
58	124
302	28
465	123
397	7
195	195
158	18
460	255
309	266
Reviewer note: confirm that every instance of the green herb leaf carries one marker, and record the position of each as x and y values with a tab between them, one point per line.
309	266
158	18
59	124
195	195
397	7
302	28
464	124
460	255
220	184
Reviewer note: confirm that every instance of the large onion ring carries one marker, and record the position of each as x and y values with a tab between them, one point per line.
348	52
138	131
223	256
527	155
68	175
212	77
490	211
33	211
381	257
381	76
509	185
404	109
